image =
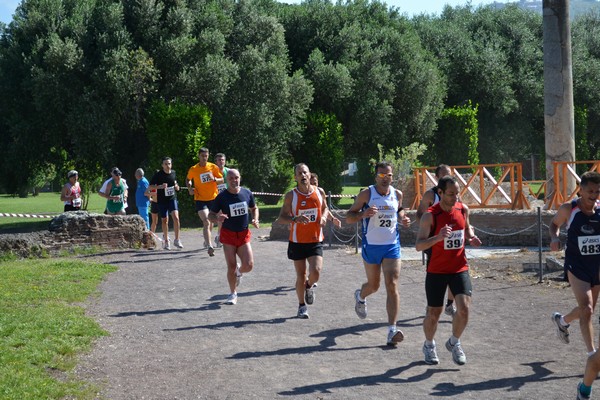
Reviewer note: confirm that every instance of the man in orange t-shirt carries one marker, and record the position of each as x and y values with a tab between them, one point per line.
202	180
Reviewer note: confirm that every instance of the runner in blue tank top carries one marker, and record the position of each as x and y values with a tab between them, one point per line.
379	208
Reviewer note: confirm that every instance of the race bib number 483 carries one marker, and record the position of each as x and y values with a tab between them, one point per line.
238	209
455	241
589	245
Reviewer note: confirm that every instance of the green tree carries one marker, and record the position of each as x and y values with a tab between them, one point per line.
323	136
178	130
457	138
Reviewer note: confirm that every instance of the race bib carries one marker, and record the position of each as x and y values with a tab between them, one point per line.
386	219
589	245
221	187
77	202
170	191
206	177
310	213
238	209
455	241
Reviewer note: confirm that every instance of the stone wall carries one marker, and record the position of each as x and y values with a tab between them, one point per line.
78	230
493	227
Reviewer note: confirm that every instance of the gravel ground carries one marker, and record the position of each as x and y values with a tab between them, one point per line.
172	336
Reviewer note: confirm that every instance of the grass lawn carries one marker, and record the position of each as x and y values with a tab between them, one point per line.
41	330
49	203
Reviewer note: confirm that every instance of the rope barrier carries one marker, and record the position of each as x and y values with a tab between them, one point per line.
26	215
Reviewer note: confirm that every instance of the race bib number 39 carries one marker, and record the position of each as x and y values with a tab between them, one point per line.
455	241
589	245
238	209
310	213
206	177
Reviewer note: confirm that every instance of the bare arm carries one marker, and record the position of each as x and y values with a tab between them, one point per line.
560	218
355	214
285	214
423	240
64	194
254	221
469	231
426	202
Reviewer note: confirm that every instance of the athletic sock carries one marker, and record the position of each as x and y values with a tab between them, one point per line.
585	390
429	343
562	321
392	328
591	353
302	304
454	340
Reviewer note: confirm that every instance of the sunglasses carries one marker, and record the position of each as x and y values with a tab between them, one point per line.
385	175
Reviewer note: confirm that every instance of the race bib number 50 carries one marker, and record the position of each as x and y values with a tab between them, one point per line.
455	241
589	245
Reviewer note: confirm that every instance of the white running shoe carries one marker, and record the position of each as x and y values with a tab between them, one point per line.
217	242
394	337
167	244
303	312
430	353
361	306
232	299
561	331
309	294
238	275
450	310
458	355
178	244
211	251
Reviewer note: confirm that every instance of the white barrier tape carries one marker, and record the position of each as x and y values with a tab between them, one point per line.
280	194
25	215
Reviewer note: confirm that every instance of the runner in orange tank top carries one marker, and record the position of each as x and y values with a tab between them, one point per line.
306	209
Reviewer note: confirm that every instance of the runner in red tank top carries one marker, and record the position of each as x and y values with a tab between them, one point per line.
445	228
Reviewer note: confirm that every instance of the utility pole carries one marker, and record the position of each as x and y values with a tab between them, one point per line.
559	119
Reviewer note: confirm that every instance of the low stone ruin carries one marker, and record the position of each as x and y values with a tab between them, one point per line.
80	229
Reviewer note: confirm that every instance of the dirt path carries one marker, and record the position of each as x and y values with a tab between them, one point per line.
173	338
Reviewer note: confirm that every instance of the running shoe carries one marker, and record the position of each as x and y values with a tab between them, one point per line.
394	337
458	355
450	310
430	353
211	251
309	294
581	396
303	312
232	299
217	242
178	244
561	331
238	276
361	306
167	244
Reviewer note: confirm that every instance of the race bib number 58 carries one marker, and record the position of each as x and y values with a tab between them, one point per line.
310	213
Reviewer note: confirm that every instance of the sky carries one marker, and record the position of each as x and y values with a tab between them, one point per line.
411	7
